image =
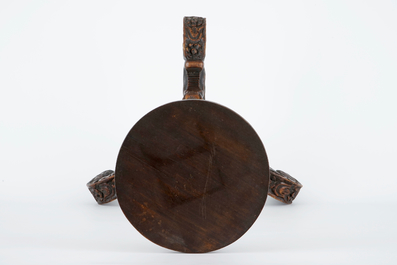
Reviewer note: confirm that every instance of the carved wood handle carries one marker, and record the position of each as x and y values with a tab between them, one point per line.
194	38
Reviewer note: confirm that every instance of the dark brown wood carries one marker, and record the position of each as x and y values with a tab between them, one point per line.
102	187
283	187
192	176
194	39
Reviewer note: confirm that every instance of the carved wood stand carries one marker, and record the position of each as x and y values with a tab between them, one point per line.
203	146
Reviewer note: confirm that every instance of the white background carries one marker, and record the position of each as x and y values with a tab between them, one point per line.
316	79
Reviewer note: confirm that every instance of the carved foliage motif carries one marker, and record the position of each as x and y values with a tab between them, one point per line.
102	187
283	187
194	38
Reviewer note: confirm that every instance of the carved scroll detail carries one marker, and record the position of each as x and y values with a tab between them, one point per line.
102	187
283	187
194	38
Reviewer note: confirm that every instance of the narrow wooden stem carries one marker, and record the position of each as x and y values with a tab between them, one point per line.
194	39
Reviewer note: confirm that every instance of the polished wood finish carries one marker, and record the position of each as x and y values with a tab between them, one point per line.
194	40
192	176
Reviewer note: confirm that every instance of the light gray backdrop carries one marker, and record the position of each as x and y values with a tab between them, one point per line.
316	79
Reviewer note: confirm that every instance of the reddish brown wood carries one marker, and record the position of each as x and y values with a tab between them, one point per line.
283	187
102	187
192	176
194	38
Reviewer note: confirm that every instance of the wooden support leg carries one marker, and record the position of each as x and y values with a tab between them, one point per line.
282	187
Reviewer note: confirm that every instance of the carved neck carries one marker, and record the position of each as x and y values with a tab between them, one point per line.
194	38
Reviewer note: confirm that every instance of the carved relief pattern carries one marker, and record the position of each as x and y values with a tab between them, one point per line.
283	187
102	187
194	38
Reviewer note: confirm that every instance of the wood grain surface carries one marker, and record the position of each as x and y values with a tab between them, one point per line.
192	176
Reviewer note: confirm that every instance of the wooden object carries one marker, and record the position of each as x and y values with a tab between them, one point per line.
192	175
102	187
283	187
194	38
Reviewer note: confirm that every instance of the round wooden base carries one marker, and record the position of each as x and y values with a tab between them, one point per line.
192	176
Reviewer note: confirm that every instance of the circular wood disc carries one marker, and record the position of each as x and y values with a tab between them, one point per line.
192	176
